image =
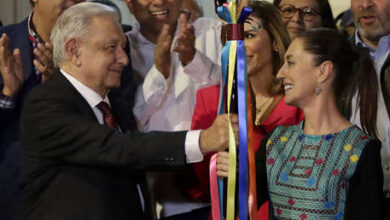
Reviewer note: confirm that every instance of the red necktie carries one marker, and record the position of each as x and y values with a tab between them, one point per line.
108	117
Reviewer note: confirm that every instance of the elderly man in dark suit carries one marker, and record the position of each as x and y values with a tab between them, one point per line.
30	38
82	160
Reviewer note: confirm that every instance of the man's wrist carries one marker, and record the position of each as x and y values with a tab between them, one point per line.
202	142
6	92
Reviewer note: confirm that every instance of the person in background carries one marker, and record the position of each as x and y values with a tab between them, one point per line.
29	43
302	15
266	41
125	27
372	20
172	58
194	8
345	23
325	167
82	155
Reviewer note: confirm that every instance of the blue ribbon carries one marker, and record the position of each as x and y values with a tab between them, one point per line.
242	121
224	14
242	110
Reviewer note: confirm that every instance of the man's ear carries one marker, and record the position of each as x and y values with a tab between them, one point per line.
129	4
325	71
34	3
73	52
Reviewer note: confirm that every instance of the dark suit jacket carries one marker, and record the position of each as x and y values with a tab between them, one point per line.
10	119
75	168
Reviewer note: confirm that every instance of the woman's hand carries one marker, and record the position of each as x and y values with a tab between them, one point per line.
222	164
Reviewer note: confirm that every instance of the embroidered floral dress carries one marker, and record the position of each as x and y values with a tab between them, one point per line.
333	176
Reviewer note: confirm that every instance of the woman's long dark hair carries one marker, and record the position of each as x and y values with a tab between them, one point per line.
354	73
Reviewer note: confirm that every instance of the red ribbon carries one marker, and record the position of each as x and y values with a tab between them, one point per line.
235	31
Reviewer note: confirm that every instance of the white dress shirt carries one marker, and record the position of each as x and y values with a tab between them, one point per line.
167	104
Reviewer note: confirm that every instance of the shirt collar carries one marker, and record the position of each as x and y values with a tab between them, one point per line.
92	97
33	36
359	42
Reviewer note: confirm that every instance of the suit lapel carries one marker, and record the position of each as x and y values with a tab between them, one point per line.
69	90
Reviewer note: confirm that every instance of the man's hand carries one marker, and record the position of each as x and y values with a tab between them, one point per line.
162	52
185	41
45	63
222	164
216	138
11	68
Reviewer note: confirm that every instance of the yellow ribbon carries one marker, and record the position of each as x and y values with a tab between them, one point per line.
231	188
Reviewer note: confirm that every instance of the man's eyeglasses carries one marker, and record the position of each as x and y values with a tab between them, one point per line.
307	13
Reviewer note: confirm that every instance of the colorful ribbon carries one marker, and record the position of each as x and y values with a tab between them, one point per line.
234	61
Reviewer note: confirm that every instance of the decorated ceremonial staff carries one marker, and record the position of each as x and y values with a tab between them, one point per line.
235	97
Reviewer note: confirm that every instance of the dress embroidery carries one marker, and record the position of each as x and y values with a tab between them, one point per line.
308	174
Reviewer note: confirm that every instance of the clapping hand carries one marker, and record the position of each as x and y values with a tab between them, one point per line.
10	67
162	51
186	40
44	62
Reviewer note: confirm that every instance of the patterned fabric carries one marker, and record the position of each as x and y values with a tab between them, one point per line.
308	175
35	40
6	102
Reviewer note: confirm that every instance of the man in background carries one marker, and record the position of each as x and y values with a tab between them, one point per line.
372	19
172	58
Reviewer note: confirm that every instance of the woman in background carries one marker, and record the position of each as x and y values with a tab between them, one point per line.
302	15
325	167
266	41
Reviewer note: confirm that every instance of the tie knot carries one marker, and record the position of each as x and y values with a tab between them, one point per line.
104	107
108	117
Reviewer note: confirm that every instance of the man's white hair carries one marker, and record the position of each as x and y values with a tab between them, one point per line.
75	22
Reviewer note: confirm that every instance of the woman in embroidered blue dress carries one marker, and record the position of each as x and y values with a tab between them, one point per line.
325	167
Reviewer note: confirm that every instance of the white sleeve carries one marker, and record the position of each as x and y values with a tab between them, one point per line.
205	67
149	97
192	148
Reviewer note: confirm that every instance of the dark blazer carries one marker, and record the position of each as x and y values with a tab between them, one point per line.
75	168
10	118
9	124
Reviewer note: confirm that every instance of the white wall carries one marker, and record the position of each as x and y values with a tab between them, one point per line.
12	11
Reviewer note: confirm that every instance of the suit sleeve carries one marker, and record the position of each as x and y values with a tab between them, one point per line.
365	194
55	128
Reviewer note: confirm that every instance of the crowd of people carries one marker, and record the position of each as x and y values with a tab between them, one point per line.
101	120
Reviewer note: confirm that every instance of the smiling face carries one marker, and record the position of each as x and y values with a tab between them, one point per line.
296	24
152	14
258	46
372	18
298	75
102	57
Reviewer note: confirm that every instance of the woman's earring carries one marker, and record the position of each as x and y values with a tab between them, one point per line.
318	88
